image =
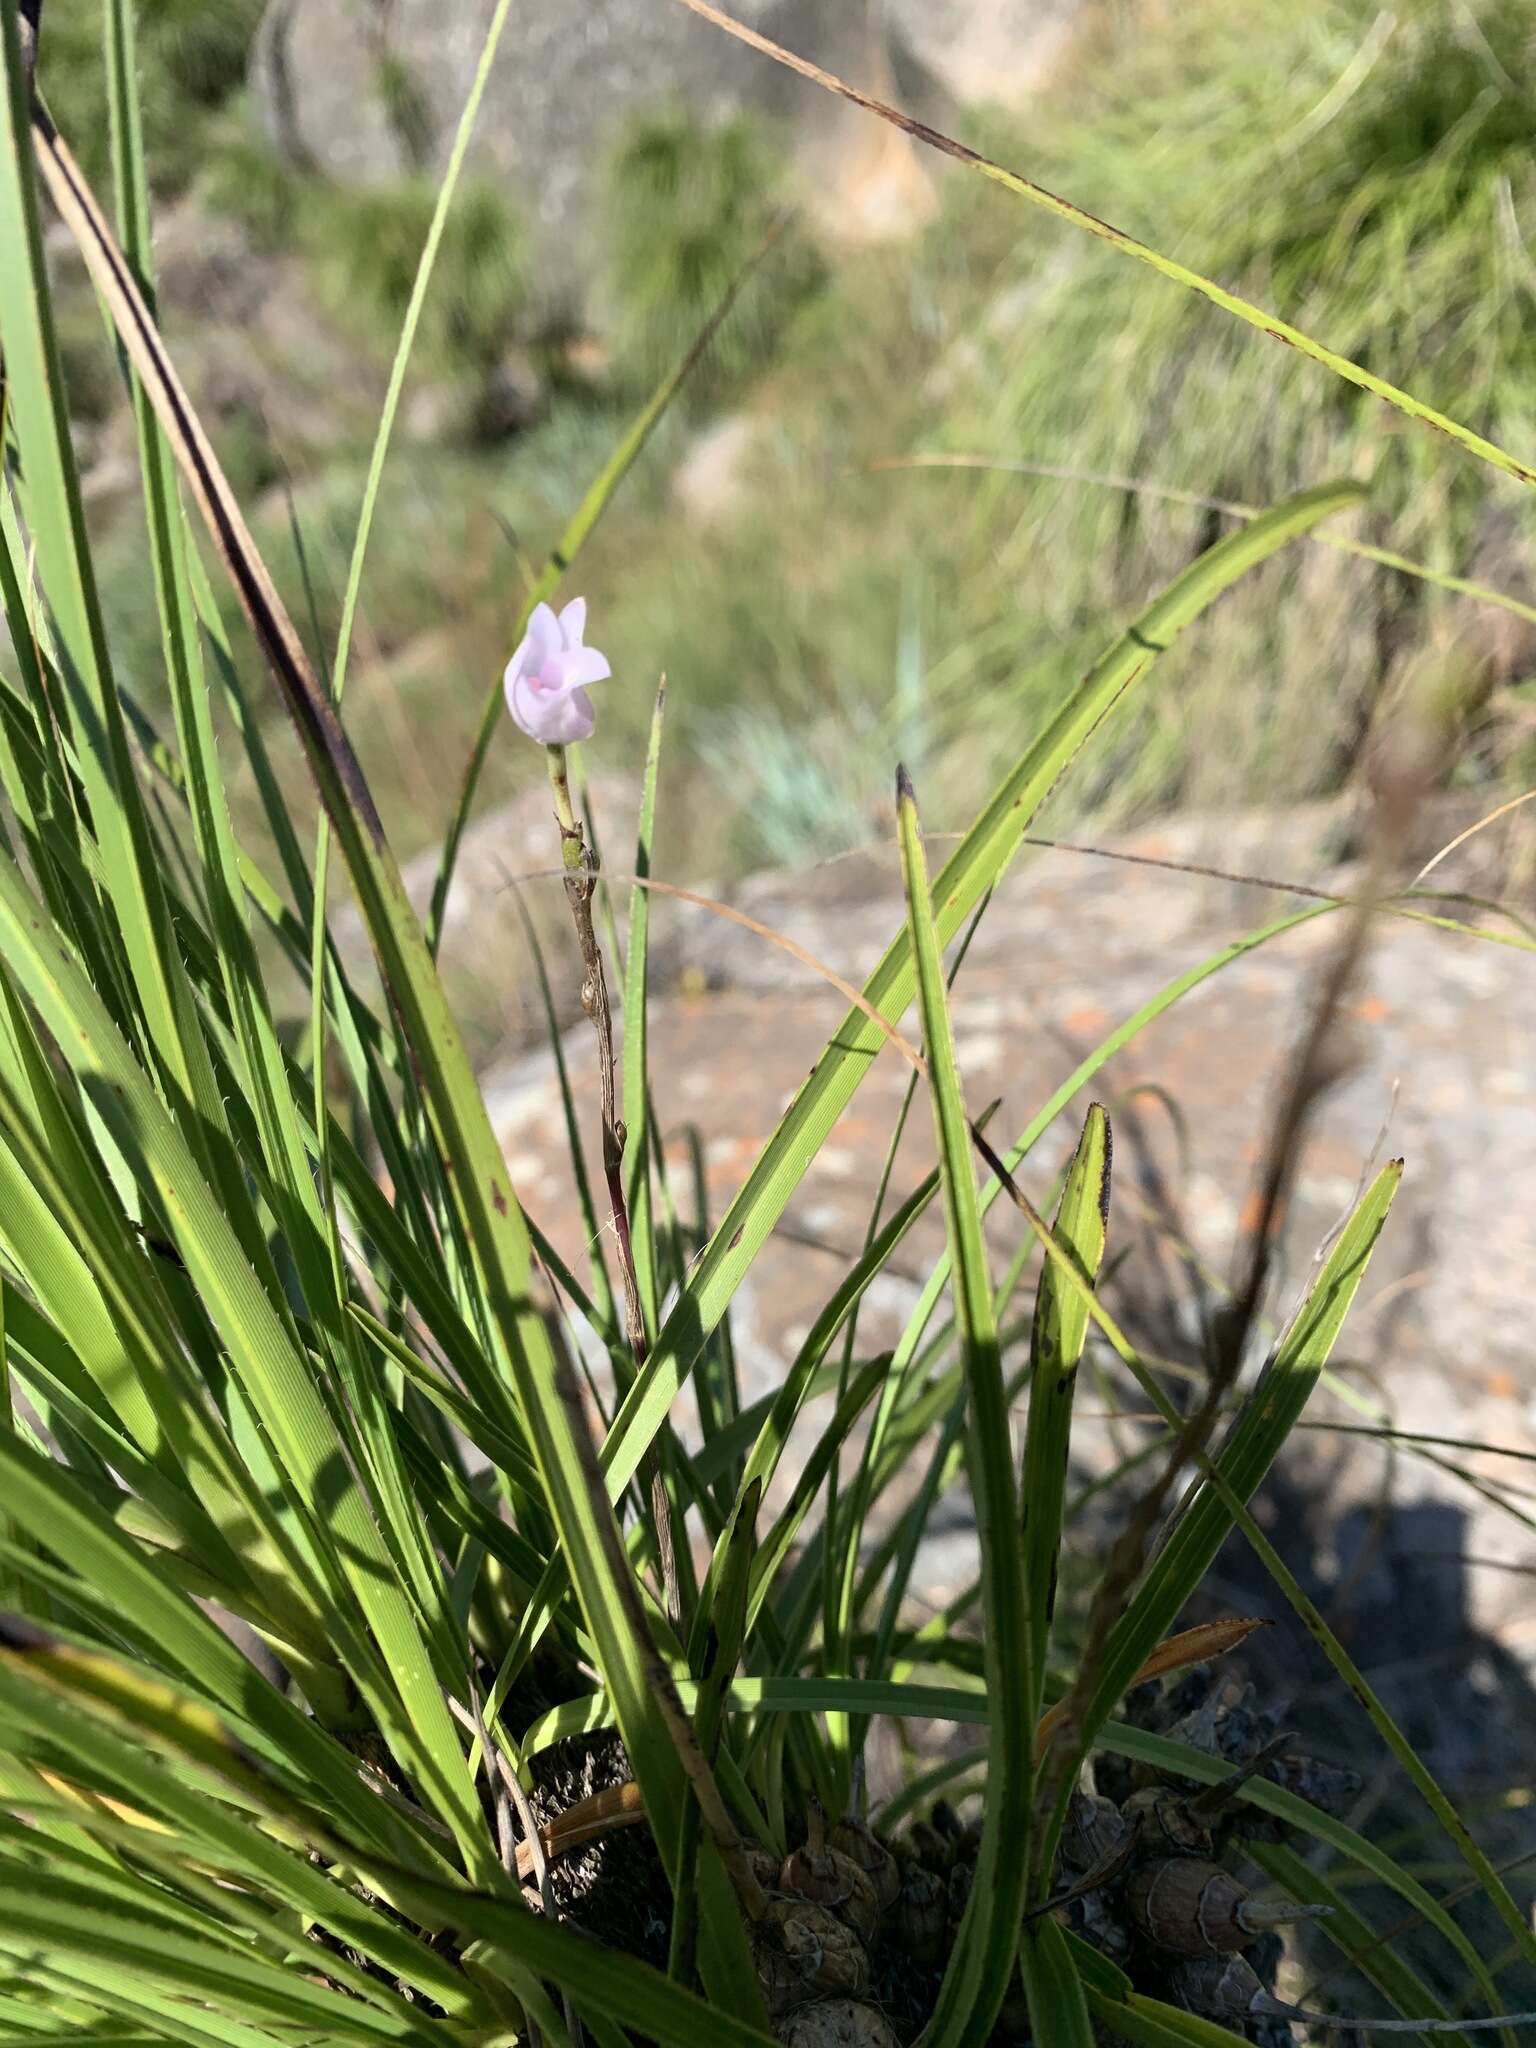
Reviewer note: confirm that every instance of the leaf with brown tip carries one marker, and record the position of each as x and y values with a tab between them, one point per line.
1189	1646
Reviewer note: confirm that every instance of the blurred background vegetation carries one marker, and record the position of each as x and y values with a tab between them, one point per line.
1368	173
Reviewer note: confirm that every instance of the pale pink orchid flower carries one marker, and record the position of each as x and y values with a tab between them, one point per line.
546	679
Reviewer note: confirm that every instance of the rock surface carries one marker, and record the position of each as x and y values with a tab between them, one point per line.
985	50
1442	1070
366	90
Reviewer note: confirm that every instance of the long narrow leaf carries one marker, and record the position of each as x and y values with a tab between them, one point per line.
637	1089
57	523
1179	273
1253	1443
979	861
1056	1346
976	1980
492	1222
1058	2011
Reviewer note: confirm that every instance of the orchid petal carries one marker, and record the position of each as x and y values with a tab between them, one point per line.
544	639
518	665
569	718
573	621
527	707
578	665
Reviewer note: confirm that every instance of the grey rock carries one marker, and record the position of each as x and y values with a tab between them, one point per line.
561	79
1444	1074
512	399
211	269
984	50
367	89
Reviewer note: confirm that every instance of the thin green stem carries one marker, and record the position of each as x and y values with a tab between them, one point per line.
580	864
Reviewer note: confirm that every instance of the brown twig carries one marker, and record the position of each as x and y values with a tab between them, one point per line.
528	1857
30	25
507	1792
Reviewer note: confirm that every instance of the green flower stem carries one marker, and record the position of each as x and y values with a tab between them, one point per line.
572	839
580	864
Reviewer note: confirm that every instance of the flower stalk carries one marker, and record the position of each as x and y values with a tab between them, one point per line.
580	863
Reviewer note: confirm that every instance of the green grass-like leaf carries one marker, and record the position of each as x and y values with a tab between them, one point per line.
981	1964
1252	1444
977	864
637	1086
1059	1332
485	1210
1058	2009
278	1361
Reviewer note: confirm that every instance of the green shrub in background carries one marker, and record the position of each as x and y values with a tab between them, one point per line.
360	245
243	177
310	1559
193	57
1360	170
1371	186
365	243
682	204
1374	185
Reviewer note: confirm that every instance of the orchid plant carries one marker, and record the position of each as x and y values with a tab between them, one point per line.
346	1656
